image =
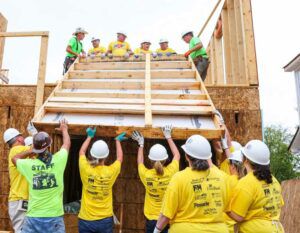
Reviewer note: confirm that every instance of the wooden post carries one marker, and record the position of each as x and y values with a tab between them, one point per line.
148	111
41	73
3	27
219	79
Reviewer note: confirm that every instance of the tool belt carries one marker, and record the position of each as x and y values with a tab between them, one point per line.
199	59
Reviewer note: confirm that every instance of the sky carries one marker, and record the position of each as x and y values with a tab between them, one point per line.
276	28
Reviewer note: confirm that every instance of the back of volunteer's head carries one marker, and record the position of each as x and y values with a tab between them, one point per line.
198	152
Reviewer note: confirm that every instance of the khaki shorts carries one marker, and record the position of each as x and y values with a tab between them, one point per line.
17	212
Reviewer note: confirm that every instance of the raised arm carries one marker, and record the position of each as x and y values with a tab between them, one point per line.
121	137
167	131
137	136
66	137
90	135
162	222
22	155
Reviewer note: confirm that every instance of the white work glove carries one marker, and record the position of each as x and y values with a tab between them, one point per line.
92	55
31	129
110	55
224	143
154	54
102	55
137	136
167	131
156	230
126	55
216	112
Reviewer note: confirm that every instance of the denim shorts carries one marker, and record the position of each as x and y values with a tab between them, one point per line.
97	226
43	225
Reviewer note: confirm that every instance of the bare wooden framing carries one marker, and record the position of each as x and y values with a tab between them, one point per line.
148	107
3	27
42	61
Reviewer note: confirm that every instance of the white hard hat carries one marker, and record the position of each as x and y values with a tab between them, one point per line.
10	134
197	147
95	38
185	32
163	40
158	153
99	150
145	41
122	32
28	141
236	145
257	152
80	30
236	156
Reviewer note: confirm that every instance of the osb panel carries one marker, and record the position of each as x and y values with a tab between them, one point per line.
3	207
4	183
290	215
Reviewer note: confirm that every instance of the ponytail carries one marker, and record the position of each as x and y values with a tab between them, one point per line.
198	164
239	167
159	168
262	172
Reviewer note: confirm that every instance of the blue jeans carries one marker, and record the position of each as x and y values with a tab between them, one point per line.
97	226
43	225
150	226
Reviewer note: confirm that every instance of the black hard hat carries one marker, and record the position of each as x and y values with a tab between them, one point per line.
41	141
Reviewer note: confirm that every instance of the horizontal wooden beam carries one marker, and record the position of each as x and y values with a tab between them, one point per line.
116	94
168	73
24	34
178	102
132	84
126	108
112	131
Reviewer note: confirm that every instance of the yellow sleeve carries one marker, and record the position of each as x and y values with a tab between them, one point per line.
83	163
103	50
115	168
110	46
128	46
173	167
172	51
241	200
171	199
137	51
157	50
90	51
142	172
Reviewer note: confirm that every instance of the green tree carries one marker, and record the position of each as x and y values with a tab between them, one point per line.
284	164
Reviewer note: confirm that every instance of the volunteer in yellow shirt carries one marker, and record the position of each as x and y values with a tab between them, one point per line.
225	165
197	196
18	193
97	50
256	202
96	212
158	177
164	48
120	47
144	49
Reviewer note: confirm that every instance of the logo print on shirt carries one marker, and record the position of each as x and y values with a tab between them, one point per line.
43	180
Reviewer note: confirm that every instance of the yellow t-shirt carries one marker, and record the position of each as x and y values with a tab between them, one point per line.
97	183
156	186
194	198
225	166
97	50
258	202
118	48
168	50
141	51
18	184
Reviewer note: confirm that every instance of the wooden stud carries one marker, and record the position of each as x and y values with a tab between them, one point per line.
219	76
3	27
24	34
41	73
148	110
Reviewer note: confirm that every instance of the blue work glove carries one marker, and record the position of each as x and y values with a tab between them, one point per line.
168	54
121	137
91	132
159	54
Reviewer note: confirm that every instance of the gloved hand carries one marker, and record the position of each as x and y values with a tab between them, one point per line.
103	55
92	55
216	112
91	132
168	54
154	54
137	136
136	55
31	129
187	54
121	137
126	55
110	55
224	143
167	131
156	230
159	54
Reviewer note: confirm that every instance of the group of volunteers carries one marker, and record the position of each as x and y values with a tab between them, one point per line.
240	196
121	48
